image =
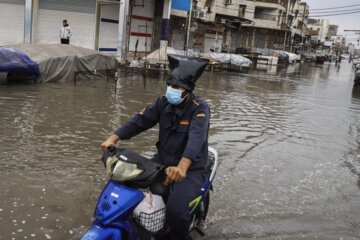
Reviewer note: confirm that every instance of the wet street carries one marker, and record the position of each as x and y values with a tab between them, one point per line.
288	144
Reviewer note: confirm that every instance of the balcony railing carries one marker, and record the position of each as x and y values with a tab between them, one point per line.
281	2
285	26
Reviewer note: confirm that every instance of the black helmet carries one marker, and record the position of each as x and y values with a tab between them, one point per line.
184	71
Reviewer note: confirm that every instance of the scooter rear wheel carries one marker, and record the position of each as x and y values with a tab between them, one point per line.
198	219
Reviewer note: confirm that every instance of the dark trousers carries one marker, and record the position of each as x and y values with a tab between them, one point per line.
180	195
65	41
177	206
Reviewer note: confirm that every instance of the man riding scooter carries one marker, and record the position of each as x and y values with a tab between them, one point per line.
183	138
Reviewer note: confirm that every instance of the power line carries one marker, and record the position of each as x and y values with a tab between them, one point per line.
335	7
335	11
338	14
300	14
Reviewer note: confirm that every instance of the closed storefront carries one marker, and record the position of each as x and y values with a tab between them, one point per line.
197	37
80	15
260	38
213	38
12	21
238	38
177	32
141	26
141	31
109	24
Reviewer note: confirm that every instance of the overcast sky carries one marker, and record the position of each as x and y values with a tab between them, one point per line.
350	21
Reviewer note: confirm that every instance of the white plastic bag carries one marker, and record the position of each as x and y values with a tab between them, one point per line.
152	218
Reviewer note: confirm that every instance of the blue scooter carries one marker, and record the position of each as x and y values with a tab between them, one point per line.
129	172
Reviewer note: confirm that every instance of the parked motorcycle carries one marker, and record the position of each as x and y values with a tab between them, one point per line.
129	172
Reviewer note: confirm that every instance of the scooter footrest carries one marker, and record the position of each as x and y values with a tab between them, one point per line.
200	227
200	231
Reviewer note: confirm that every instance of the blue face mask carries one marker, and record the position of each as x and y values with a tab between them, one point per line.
174	96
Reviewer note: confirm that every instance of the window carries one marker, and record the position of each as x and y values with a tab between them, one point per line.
280	13
242	9
208	4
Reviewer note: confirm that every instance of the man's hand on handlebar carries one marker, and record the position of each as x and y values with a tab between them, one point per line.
174	174
110	141
177	173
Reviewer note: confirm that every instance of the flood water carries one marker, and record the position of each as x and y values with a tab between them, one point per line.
288	145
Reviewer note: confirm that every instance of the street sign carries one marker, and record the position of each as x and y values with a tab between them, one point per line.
183	5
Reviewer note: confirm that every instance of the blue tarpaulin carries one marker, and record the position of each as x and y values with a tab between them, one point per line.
183	5
17	61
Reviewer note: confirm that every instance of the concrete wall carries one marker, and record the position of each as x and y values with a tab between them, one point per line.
12	22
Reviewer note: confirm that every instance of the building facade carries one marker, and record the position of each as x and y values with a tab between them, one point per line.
211	25
318	30
230	25
299	13
333	29
269	28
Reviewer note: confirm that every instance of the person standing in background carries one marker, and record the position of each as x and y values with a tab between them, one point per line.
65	33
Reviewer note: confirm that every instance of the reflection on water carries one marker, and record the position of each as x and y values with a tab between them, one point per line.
288	144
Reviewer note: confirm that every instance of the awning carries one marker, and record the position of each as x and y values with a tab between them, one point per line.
234	19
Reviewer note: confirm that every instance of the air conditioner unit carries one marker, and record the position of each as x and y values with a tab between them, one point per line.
228	2
196	14
199	14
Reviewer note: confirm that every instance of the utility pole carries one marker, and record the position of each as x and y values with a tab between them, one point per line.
121	43
31	10
188	27
165	29
28	21
286	21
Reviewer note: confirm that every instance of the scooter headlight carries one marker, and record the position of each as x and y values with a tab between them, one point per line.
120	170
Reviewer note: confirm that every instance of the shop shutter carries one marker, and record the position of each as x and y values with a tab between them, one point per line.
109	24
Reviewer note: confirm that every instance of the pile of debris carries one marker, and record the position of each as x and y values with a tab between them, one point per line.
57	62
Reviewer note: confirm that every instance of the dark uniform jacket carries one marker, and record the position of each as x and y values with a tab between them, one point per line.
183	131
